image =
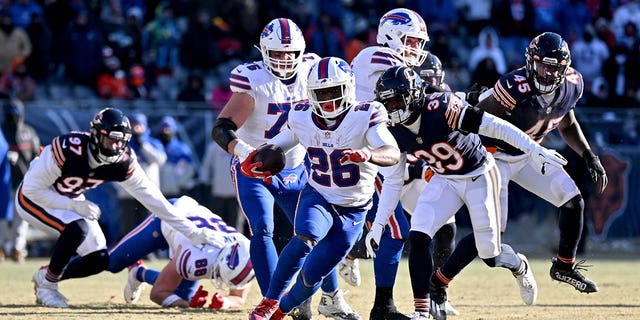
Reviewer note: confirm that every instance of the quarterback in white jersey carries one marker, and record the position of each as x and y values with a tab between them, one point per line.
345	141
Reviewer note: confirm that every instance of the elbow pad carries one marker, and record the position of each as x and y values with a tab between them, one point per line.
223	132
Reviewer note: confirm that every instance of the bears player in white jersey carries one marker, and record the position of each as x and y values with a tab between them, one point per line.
402	37
537	99
345	141
51	198
443	129
263	93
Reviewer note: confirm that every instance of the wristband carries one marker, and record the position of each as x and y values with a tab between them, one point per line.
168	301
242	149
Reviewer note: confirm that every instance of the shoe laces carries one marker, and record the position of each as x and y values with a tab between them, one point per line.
265	308
339	302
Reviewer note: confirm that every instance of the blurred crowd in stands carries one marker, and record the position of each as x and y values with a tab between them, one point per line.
184	49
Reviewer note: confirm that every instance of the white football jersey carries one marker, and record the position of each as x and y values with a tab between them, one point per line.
368	65
346	184
182	249
272	101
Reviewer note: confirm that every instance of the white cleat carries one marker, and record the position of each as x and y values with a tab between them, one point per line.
333	305
450	310
527	283
349	270
47	293
133	289
421	316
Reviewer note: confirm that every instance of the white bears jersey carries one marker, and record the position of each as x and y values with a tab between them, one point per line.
367	67
340	182
197	262
273	99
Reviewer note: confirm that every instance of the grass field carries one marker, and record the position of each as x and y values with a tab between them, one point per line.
478	293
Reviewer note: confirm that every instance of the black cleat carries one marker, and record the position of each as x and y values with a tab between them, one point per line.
438	295
386	313
569	273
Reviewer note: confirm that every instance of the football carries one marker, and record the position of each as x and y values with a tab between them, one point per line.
272	158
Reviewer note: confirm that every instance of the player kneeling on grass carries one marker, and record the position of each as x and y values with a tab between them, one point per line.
175	286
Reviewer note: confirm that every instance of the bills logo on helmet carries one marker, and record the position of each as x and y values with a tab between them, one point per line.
233	259
345	67
267	30
396	18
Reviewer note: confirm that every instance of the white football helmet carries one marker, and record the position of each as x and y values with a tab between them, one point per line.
394	28
233	266
329	73
282	35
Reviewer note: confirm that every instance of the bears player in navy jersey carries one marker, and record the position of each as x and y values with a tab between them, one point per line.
539	98
51	198
444	130
345	141
402	38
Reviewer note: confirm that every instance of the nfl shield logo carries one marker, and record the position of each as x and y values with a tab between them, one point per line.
327	135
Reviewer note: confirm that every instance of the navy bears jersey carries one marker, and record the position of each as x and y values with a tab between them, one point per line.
443	139
71	152
526	109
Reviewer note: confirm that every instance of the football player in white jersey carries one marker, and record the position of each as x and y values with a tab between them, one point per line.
345	141
51	198
402	37
175	286
263	94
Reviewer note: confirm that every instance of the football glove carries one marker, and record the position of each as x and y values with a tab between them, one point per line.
359	155
217	301
86	209
199	299
207	236
595	168
420	170
372	241
544	156
250	168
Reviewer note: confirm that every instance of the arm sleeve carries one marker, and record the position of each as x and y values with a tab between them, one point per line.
42	174
497	128
141	188
391	190
379	135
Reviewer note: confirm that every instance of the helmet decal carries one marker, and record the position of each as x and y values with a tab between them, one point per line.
285	32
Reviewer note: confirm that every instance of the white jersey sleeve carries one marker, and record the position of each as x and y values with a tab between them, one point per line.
145	191
367	67
273	98
342	183
38	181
